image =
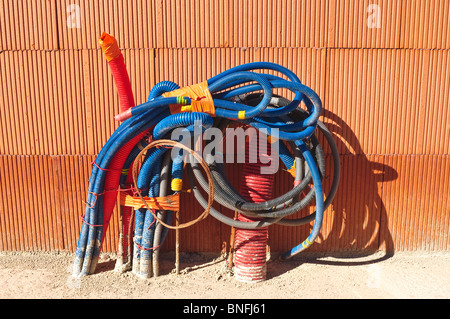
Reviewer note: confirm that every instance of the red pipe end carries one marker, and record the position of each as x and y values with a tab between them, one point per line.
250	254
123	116
109	46
250	250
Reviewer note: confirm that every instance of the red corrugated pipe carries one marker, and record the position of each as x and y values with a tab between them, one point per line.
118	69
250	250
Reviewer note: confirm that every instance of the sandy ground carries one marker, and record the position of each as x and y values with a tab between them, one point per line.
204	276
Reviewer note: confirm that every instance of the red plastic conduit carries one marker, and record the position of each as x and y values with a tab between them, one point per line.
118	69
250	245
112	180
123	85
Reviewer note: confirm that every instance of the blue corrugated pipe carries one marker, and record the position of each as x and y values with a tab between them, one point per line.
225	88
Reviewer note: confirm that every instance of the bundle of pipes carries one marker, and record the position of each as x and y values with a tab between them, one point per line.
243	96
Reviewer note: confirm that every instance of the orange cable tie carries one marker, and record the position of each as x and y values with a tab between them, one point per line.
201	99
170	202
109	46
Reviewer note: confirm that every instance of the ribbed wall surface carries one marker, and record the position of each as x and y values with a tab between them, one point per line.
348	22
28	25
385	91
419	219
425	24
391	100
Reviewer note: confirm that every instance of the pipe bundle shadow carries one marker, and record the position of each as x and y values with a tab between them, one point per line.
374	235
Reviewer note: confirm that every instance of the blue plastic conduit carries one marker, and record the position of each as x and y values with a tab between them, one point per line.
293	122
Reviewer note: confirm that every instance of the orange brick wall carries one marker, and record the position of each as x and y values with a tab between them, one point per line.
386	94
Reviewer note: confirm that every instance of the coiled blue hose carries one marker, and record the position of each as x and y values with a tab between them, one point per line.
149	179
225	88
89	243
149	225
319	204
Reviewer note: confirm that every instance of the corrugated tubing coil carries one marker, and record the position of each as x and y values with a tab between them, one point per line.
241	96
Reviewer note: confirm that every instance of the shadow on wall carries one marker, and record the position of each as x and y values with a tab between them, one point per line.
355	223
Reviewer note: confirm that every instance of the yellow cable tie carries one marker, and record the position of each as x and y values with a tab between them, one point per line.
186	108
176	184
